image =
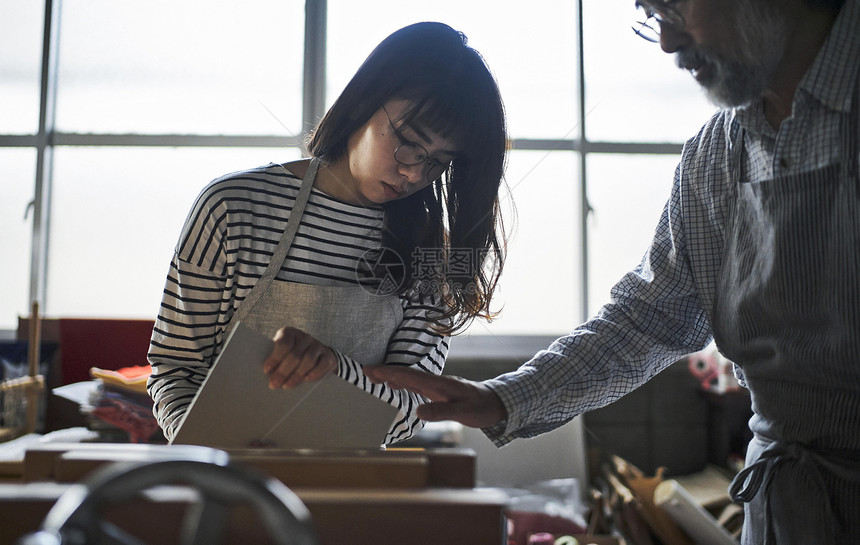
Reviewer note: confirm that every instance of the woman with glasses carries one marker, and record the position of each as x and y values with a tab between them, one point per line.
374	250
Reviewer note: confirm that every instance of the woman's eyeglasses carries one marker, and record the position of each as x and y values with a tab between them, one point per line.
411	153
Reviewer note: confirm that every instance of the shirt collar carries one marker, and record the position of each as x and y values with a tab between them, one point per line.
831	78
751	117
833	75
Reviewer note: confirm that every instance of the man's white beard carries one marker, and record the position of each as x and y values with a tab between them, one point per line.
741	70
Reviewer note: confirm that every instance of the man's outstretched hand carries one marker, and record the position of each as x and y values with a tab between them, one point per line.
451	398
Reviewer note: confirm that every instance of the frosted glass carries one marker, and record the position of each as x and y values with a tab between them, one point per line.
530	47
190	66
21	43
117	213
634	91
539	290
627	194
17	166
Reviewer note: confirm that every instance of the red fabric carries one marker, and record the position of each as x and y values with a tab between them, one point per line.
134	419
104	343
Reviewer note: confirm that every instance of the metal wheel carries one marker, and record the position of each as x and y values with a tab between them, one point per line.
76	517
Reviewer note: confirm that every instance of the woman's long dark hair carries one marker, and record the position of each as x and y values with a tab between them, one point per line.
451	92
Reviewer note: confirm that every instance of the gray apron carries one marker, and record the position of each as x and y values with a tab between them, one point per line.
349	319
787	311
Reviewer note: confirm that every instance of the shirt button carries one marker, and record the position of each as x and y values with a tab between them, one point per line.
785	163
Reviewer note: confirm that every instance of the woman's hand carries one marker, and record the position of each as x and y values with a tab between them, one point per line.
297	358
451	398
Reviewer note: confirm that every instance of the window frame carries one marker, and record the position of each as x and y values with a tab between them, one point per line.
313	106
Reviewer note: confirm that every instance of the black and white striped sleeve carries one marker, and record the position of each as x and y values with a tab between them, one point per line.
184	340
414	344
194	311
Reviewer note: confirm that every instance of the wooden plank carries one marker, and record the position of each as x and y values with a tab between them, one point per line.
340	470
413	468
42	462
381	517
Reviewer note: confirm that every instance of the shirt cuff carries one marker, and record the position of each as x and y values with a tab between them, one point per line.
502	432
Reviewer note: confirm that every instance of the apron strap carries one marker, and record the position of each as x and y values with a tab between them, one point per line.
851	136
795	458
280	254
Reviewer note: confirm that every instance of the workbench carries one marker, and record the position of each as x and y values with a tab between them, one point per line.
363	497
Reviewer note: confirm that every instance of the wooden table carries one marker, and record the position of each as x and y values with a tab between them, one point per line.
391	497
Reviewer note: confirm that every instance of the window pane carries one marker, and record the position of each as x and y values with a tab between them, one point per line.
634	92
627	194
539	289
532	55
195	66
21	43
114	227
18	166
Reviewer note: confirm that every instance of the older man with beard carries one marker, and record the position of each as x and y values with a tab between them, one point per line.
757	248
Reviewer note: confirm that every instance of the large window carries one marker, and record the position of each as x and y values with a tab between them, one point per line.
152	100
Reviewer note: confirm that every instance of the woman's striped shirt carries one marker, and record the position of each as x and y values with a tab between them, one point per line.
226	243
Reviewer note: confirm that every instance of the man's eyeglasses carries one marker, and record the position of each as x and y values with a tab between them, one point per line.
650	22
411	153
648	28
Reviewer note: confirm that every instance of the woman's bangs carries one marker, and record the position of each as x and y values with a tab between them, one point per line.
445	118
